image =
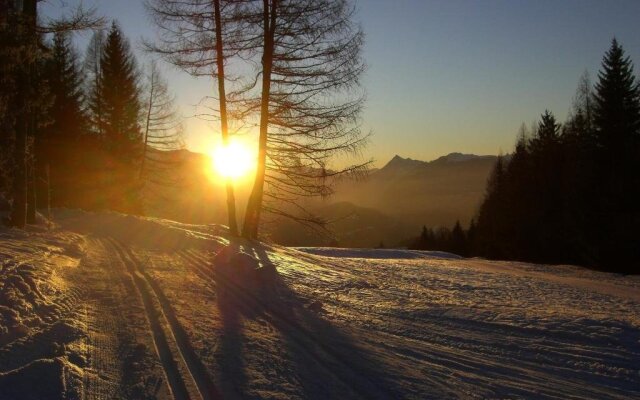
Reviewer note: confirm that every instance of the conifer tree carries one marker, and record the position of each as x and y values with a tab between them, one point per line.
60	142
491	219
23	100
545	242
458	240
119	97
617	101
617	140
66	85
8	65
22	41
579	192
93	72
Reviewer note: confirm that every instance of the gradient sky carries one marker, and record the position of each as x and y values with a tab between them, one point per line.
443	76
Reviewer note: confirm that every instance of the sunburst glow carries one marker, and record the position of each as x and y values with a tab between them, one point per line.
232	161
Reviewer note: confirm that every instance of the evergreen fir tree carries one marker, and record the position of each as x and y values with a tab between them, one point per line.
617	131
458	240
424	237
491	221
617	101
59	146
68	118
119	97
548	132
545	214
93	72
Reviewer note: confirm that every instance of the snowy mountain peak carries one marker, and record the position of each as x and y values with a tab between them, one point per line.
398	162
404	164
457	157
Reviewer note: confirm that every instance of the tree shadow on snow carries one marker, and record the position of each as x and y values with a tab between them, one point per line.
328	362
228	357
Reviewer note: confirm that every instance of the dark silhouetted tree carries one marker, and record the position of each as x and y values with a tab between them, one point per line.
60	141
617	140
22	41
120	97
571	194
491	218
458	240
24	99
93	72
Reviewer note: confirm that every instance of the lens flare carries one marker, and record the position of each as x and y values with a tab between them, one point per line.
232	161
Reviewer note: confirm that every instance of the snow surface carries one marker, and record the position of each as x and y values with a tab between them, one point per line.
112	306
388	254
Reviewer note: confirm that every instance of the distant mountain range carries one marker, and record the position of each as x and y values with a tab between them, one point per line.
393	203
435	193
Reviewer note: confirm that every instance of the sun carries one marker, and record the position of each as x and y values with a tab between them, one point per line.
232	161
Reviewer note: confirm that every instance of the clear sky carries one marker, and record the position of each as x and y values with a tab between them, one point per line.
447	75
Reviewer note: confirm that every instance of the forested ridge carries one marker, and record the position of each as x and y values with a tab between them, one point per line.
568	193
85	122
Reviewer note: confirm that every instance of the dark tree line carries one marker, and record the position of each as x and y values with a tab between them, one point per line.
568	193
72	131
455	240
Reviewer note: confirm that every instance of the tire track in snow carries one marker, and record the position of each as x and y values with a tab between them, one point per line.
204	272
103	372
169	365
194	366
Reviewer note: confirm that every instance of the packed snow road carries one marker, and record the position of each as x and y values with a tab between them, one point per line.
111	306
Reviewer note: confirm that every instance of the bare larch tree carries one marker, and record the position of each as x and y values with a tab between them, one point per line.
309	101
200	37
162	139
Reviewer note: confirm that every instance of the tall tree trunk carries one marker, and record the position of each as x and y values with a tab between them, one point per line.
254	206
19	207
48	193
27	31
146	129
32	200
231	200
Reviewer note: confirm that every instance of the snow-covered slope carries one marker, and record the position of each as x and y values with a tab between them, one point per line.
112	306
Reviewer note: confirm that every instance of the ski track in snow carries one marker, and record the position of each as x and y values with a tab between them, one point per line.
113	306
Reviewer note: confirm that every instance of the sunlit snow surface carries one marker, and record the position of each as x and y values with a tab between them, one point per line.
120	306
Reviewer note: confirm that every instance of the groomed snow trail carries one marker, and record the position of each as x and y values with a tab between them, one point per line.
114	306
191	368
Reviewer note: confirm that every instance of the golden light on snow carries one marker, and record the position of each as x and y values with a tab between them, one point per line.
233	161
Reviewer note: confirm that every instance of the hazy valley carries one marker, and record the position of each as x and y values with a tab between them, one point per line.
390	205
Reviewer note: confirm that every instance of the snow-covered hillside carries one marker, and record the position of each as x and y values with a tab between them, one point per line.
112	306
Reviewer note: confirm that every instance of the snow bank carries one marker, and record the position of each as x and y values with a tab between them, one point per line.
27	291
42	379
141	231
386	254
38	314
